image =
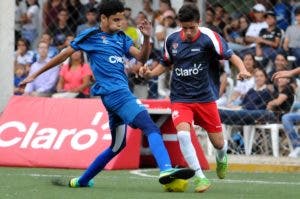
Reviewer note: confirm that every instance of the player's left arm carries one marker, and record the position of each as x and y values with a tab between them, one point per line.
143	54
237	62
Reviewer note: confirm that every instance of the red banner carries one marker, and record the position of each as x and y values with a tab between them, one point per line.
70	133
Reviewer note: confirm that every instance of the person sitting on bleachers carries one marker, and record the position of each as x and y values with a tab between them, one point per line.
43	85
268	42
266	104
242	87
74	78
23	55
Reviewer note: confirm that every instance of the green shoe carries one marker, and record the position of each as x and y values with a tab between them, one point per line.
202	184
75	184
222	167
168	176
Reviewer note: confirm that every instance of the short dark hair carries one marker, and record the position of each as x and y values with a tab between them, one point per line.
188	13
110	7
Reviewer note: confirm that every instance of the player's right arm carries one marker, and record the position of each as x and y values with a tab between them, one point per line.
145	72
58	59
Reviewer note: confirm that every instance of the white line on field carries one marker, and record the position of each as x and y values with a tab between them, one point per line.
143	174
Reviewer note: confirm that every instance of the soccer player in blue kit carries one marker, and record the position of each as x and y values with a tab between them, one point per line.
193	53
105	47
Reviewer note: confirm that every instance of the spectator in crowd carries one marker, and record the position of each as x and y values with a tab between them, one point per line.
218	19
165	5
167	27
74	78
52	51
290	119
292	38
19	10
44	85
91	21
23	55
147	8
19	75
254	29
91	4
260	107
51	10
242	87
269	39
280	63
76	13
30	21
283	12
253	105
231	30
128	15
60	30
238	43
209	19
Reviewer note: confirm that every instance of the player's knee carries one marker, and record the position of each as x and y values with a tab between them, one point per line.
184	137
145	123
218	144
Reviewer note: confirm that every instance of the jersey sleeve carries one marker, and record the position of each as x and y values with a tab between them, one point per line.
82	42
218	44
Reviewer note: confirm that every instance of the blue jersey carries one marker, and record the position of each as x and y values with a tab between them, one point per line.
196	69
105	53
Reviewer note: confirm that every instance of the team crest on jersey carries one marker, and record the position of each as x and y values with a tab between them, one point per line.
174	48
104	40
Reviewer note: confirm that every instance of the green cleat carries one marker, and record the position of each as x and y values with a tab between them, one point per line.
168	176
75	184
202	184
222	167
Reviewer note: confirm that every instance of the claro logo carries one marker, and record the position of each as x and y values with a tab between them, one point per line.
50	138
115	59
189	71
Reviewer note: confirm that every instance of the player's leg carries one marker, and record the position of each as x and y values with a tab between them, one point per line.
118	132
182	116
157	147
209	119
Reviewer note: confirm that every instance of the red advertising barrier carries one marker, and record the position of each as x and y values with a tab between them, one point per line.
68	133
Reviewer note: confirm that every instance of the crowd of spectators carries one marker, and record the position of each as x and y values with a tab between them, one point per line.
266	38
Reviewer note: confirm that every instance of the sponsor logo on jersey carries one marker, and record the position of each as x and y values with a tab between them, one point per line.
195	70
115	59
104	40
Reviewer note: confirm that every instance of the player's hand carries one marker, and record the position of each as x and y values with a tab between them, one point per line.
243	75
145	27
26	81
145	72
281	74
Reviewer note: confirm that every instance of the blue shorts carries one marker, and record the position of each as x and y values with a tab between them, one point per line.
122	107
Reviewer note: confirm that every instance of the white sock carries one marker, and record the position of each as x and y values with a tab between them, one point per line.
222	152
189	153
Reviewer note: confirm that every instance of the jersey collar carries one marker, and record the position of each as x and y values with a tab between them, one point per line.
183	38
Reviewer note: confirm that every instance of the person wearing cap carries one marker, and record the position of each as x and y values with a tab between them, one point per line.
256	26
269	39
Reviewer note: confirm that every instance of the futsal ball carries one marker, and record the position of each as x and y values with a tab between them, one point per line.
178	185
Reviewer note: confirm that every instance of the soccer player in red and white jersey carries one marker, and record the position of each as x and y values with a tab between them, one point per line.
194	52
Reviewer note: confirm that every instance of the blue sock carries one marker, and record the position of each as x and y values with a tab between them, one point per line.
159	151
96	166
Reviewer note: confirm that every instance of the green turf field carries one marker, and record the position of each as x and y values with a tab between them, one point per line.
32	183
